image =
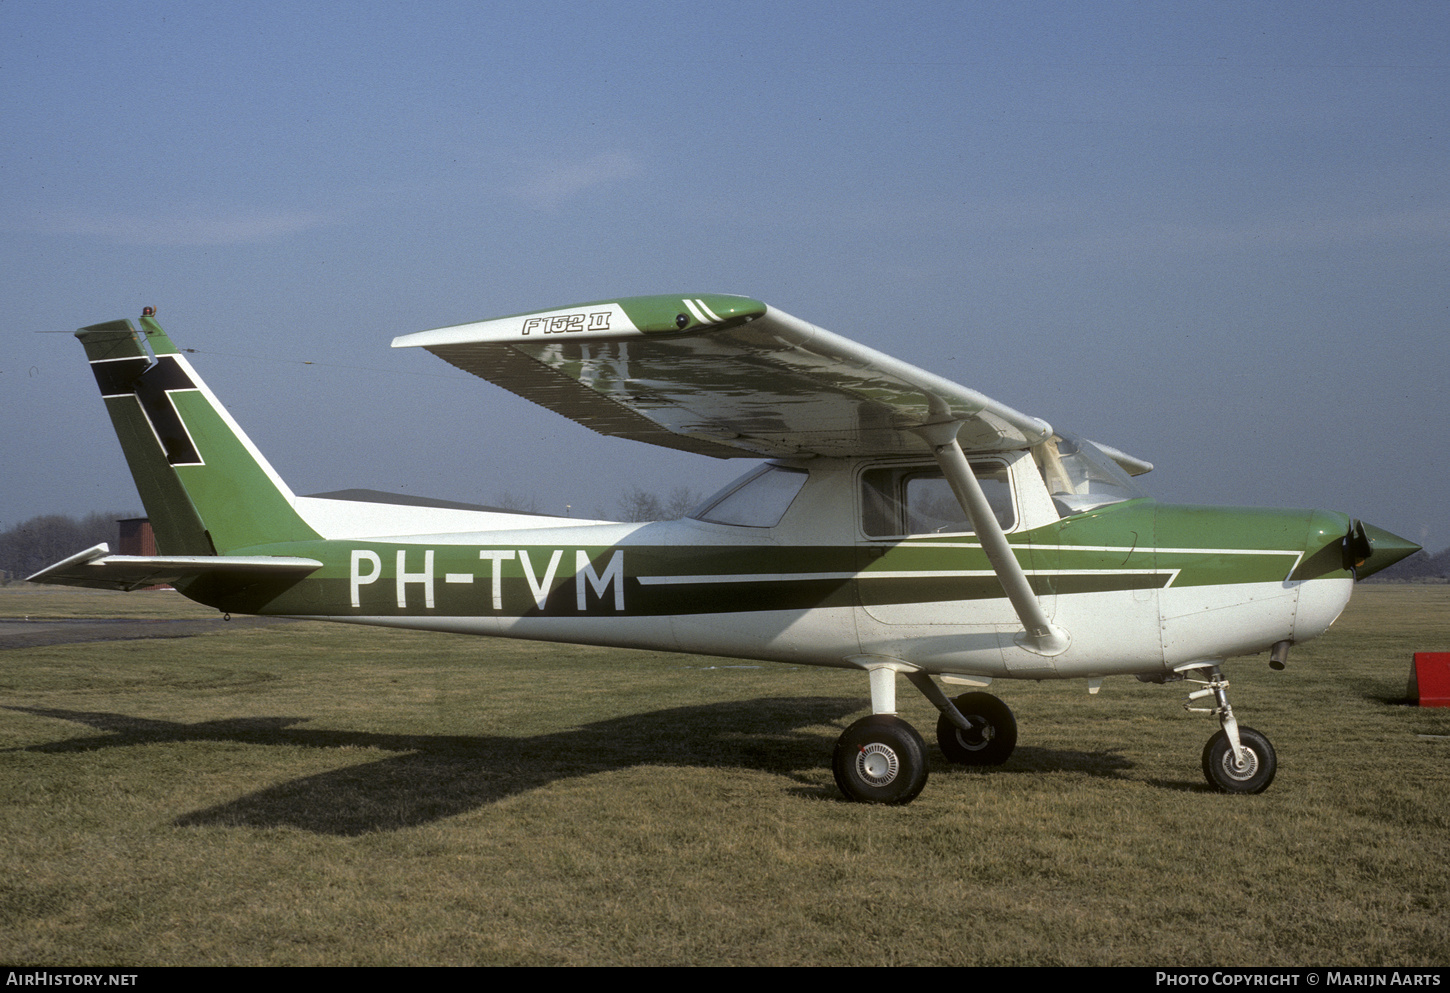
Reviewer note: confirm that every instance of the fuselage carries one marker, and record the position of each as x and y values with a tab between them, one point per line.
819	576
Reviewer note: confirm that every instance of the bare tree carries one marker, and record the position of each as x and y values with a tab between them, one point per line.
509	500
682	500
635	504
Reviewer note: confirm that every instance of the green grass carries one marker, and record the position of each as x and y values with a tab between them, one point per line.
325	794
24	601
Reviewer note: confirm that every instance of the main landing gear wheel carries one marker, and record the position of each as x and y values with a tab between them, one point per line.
993	734
1256	772
880	759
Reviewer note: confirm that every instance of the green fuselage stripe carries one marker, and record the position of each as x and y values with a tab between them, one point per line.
377	579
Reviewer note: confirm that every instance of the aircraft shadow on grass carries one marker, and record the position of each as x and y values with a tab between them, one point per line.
439	776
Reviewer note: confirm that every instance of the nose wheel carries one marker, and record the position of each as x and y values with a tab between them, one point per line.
1250	772
1236	759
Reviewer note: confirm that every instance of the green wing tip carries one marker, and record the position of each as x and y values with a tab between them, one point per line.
686	312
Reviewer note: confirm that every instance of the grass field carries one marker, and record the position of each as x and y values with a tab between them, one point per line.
324	794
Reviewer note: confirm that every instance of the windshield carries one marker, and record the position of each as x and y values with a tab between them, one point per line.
1080	476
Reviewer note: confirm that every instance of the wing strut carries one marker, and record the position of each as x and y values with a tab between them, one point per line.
1041	635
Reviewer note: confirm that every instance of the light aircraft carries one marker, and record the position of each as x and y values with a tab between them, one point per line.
902	525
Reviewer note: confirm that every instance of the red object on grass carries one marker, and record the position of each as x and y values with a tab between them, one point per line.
1430	679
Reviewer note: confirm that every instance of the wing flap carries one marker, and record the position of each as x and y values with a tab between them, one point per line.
95	568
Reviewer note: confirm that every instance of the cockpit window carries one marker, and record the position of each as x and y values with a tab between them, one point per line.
1080	476
904	500
759	500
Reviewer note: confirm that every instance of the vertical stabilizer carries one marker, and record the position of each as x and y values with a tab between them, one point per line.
206	488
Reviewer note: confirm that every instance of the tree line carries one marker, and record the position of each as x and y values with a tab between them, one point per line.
32	545
41	541
634	505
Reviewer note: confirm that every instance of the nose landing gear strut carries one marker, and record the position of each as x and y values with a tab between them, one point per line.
1236	759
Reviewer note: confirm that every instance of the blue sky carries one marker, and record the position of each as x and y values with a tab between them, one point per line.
1214	235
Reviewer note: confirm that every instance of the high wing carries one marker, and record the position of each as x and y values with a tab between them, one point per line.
726	376
96	569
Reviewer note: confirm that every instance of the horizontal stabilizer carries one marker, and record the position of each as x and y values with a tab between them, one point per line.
96	568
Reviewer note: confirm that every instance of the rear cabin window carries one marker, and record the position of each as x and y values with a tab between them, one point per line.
760	500
903	500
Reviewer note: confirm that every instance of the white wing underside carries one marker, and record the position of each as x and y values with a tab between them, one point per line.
773	386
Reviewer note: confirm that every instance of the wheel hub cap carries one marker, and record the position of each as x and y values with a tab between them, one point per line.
1241	770
877	764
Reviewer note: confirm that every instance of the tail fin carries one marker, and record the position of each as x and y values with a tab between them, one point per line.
206	488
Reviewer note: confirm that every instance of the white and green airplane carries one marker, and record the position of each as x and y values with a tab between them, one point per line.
901	524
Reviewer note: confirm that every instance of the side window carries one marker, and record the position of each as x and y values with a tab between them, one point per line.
904	500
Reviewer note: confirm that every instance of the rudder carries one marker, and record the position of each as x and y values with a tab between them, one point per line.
206	488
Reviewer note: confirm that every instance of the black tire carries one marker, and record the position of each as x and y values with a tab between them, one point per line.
1258	772
880	759
992	741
